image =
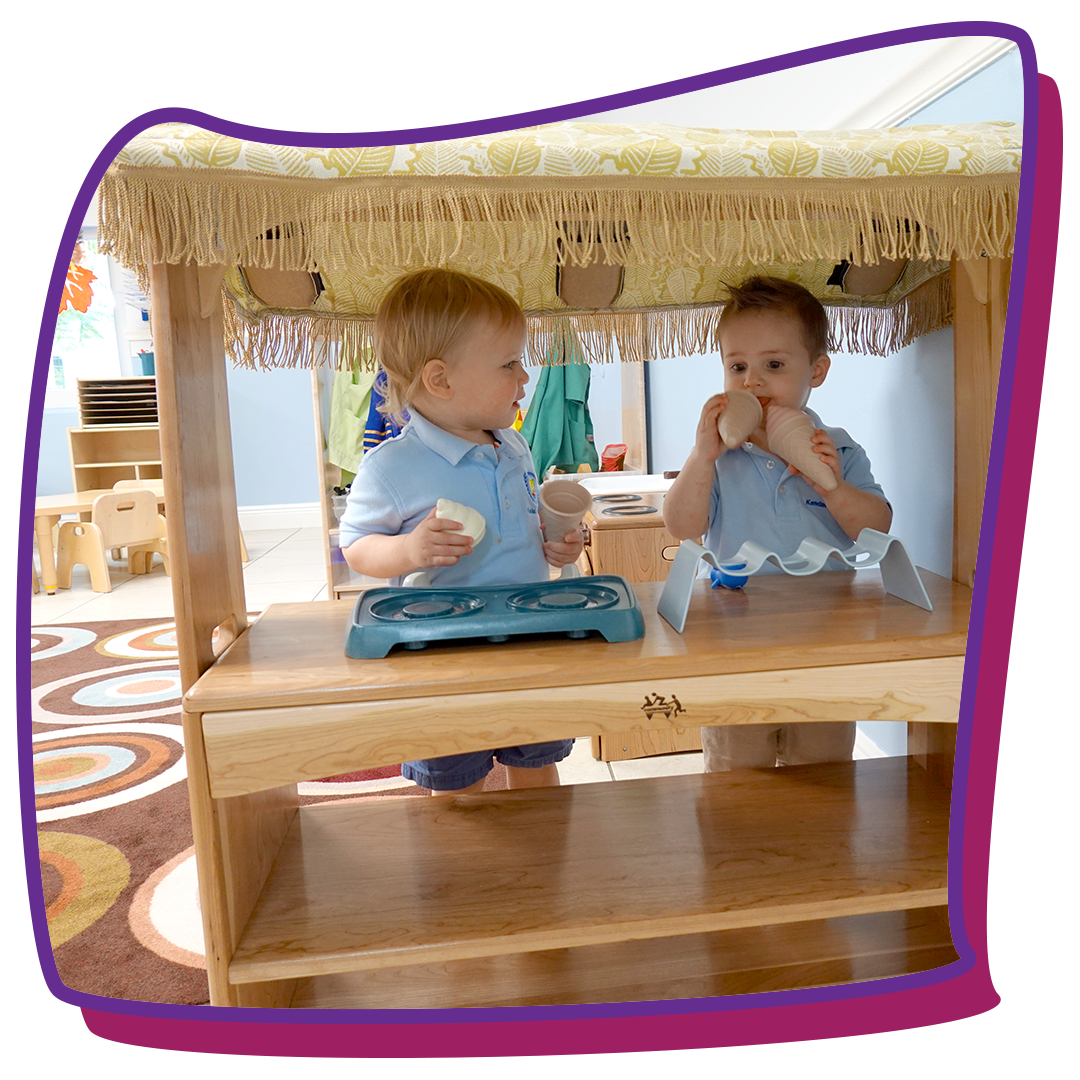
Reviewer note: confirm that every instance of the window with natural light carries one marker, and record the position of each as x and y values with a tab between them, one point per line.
94	344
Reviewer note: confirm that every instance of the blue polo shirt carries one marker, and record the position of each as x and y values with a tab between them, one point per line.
754	497
401	480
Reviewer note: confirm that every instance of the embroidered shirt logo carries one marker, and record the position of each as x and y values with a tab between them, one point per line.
815	502
530	488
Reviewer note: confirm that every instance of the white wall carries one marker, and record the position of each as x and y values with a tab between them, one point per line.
273	435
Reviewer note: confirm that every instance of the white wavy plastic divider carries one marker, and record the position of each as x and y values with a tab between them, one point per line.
873	548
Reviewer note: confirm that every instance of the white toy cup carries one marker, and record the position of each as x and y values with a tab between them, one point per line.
563	504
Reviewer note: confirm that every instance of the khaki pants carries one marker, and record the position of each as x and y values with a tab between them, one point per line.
761	746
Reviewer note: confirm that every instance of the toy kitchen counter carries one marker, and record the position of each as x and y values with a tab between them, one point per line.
299	920
625	531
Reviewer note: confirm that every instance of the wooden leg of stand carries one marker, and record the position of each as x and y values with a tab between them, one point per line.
236	841
934	747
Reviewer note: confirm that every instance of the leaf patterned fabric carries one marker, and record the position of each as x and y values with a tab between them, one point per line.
685	212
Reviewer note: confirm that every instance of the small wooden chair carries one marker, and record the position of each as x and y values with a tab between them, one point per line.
158	487
118	519
140	557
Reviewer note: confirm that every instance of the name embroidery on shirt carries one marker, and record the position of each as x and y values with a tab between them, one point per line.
816	502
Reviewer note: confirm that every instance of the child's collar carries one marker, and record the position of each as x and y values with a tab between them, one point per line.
444	443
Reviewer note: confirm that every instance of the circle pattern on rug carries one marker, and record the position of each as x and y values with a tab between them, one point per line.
82	878
65	769
88	769
165	915
50	641
110	694
133	688
149	642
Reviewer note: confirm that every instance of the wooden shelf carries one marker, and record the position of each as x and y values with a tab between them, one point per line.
104	453
791	956
416	881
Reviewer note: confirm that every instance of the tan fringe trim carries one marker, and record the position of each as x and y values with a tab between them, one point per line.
880	331
219	218
285	339
275	339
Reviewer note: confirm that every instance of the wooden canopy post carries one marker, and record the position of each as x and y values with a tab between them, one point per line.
232	837
196	451
981	294
634	415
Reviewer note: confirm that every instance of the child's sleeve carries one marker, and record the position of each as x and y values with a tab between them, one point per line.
370	507
857	472
712	529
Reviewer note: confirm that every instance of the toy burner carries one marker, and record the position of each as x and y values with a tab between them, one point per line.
414	617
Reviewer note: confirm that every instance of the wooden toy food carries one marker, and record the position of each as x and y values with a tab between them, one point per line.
472	524
788	432
740	418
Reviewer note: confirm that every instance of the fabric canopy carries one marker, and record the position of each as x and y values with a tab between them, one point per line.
681	212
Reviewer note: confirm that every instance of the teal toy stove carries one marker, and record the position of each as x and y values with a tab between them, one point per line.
416	617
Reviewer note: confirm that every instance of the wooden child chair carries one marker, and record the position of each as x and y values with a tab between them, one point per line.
140	557
158	487
118	519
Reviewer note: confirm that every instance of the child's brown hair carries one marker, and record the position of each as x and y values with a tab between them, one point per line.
423	316
761	293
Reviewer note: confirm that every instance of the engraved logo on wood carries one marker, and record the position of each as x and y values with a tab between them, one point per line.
657	703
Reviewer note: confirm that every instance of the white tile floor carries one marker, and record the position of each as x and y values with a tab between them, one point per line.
288	565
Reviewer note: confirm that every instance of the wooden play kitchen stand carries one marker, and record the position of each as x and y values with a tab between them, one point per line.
588	892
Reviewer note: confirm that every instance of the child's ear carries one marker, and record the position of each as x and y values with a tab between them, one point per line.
819	369
434	378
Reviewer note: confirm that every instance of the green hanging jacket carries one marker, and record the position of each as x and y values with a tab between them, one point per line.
349	399
557	426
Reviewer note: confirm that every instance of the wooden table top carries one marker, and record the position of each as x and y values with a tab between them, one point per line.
76	502
293	654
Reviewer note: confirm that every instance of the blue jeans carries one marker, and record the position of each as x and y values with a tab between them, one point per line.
456	771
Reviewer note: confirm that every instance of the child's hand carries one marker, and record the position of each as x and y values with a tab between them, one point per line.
437	542
561	552
707	437
825	449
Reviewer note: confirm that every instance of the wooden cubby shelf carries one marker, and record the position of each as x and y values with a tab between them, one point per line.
101	454
397	882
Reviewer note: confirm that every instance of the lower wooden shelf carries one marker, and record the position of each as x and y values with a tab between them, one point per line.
754	960
389	883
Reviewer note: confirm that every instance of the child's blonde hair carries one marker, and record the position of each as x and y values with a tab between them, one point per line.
423	316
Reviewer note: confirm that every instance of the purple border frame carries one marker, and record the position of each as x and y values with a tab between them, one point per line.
1010	993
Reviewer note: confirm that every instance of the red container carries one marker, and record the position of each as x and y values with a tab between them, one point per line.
611	460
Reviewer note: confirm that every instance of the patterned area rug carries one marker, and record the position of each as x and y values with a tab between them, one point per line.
117	863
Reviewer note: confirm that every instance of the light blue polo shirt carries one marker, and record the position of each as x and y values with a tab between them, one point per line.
401	480
754	497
